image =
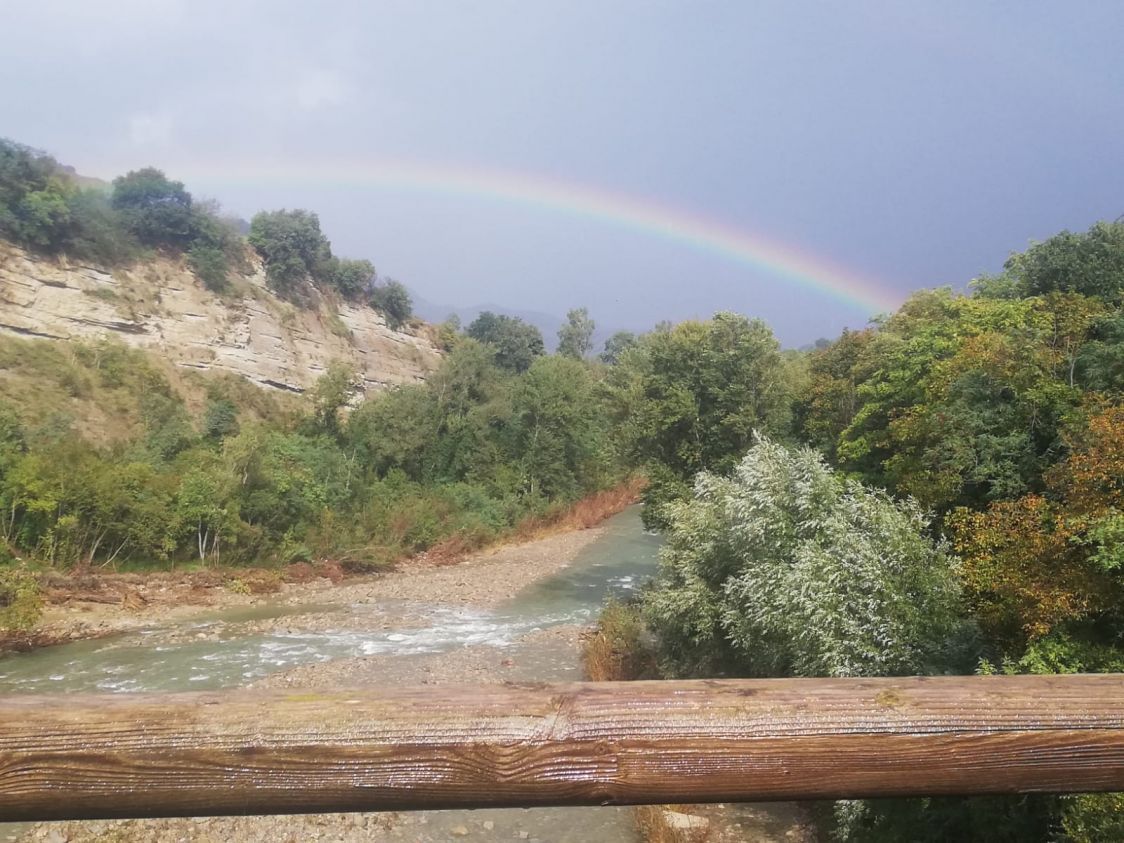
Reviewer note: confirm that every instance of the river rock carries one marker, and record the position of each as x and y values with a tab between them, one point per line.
687	826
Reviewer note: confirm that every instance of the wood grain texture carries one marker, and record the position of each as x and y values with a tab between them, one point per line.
73	757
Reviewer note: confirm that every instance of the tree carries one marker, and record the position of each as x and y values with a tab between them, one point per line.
216	248
155	209
575	338
554	429
1100	361
330	394
292	247
1022	570
44	216
831	401
1091	264
616	346
204	504
960	400
168	428
220	419
352	278
33	208
691	397
786	569
472	407
392	300
514	343
22	171
448	332
1040	563
395	430
43	208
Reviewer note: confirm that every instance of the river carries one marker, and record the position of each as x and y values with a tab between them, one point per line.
531	635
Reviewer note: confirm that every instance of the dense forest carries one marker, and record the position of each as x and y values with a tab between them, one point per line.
939	492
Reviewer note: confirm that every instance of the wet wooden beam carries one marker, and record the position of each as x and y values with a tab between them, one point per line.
71	757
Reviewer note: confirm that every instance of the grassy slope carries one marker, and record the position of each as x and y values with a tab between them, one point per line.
96	387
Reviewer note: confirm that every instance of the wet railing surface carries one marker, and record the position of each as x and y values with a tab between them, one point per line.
87	757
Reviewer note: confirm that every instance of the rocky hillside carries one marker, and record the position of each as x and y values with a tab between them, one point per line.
160	306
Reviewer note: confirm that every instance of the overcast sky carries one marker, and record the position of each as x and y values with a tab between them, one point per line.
911	144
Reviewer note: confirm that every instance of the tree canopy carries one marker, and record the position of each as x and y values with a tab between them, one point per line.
514	343
785	568
575	337
689	399
392	299
292	246
157	210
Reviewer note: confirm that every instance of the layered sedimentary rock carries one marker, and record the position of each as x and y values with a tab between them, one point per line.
161	306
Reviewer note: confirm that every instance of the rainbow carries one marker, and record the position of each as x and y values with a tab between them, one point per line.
645	216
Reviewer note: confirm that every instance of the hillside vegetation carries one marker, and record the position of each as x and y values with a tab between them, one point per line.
46	208
939	492
111	457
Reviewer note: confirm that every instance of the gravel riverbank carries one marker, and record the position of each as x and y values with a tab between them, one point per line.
480	582
113	604
399	602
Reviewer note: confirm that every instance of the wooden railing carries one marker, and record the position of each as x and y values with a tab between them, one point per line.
68	757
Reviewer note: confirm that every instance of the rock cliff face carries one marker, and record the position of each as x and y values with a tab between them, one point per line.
162	307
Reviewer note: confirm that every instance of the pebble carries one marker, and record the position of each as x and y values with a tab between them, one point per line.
489	584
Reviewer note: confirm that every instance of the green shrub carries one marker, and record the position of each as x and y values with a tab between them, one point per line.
619	647
220	419
391	299
292	247
210	265
21	602
157	210
786	569
352	278
1094	817
664	487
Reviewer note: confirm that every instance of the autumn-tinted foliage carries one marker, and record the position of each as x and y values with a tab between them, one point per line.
1000	411
967	511
955	400
1038	562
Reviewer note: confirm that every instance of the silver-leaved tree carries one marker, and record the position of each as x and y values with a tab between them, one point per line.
786	568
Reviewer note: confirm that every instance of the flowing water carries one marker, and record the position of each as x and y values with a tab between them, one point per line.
210	652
